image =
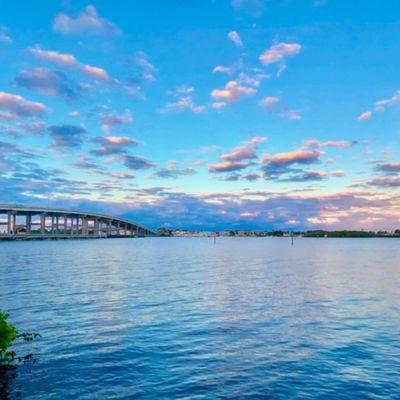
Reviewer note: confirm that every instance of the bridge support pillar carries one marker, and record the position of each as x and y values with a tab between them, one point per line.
42	223
96	227
9	223
14	223
28	224
84	226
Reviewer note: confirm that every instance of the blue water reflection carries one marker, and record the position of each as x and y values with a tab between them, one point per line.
183	318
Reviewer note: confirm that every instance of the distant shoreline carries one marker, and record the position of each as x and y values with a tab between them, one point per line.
279	233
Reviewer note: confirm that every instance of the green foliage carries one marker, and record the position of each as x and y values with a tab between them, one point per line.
164	232
8	334
342	234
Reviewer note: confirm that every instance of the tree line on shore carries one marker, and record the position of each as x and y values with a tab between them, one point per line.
282	233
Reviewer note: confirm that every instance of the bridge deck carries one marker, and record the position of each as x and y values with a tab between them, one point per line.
30	223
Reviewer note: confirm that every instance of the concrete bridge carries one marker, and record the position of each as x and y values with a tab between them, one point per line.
21	222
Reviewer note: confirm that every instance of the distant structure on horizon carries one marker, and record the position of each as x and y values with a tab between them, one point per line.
22	222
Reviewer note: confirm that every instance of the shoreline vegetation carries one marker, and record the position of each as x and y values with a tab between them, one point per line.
8	335
280	233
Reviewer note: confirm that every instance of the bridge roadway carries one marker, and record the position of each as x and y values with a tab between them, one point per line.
22	222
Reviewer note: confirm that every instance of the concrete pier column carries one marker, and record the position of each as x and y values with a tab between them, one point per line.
57	224
42	223
52	225
96	227
28	224
72	224
118	228
14	223
9	223
109	228
84	226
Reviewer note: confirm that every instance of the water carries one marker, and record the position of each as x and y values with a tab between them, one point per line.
182	318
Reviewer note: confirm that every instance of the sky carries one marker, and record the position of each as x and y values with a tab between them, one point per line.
212	114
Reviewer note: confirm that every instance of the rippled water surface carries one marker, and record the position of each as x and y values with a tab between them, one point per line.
182	318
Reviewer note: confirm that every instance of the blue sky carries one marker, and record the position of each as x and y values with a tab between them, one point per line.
208	115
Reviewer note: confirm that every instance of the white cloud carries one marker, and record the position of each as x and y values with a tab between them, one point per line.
221	68
234	36
86	22
111	119
148	70
184	101
4	37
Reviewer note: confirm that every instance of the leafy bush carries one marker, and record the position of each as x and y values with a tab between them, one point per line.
8	334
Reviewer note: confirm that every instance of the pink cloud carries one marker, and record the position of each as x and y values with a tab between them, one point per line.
278	52
387	182
300	156
218	104
16	105
233	161
69	61
389	167
273	104
232	92
321	174
269	100
380	105
364	116
112	145
250	214
330	143
7	115
247	151
227	166
240	153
